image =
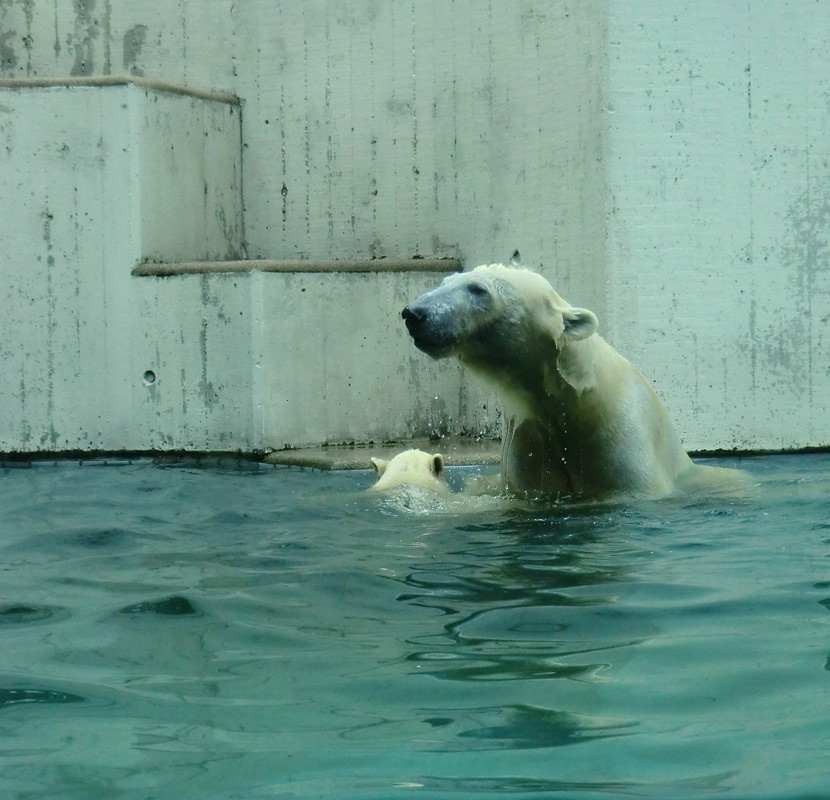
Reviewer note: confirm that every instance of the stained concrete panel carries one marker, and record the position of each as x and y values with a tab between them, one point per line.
719	154
92	186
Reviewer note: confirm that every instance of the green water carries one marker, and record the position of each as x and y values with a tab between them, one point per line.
239	631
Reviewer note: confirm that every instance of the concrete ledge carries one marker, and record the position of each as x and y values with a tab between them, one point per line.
456	451
165	270
118	80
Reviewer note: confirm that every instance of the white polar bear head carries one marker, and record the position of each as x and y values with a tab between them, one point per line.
411	468
496	319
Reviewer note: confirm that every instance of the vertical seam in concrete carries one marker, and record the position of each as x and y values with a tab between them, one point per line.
134	190
605	113
134	95
257	398
414	100
243	236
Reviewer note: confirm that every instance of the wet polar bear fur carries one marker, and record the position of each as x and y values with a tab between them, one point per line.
581	420
411	468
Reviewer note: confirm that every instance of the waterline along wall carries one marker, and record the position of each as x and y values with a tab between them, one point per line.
211	218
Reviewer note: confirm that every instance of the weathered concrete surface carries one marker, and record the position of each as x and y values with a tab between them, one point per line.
97	179
431	128
101	178
337	365
719	174
257	361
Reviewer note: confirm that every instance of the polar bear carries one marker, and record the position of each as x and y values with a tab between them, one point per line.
411	468
581	420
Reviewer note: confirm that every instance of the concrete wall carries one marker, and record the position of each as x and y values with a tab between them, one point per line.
97	179
719	222
101	178
663	162
260	361
463	129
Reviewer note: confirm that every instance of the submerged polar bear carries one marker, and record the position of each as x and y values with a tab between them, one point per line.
581	419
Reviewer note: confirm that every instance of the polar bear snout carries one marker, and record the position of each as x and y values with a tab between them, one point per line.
443	320
430	331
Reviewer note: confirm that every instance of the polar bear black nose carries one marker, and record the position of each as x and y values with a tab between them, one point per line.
412	316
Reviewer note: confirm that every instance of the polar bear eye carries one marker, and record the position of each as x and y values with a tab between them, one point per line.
478	290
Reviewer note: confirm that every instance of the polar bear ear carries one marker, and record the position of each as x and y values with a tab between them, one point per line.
579	324
380	465
437	463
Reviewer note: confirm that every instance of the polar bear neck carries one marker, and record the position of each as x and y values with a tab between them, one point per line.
561	390
554	382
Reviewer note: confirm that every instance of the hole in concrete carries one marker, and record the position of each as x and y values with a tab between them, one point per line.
149	377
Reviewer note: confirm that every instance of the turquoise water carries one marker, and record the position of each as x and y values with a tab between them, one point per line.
241	631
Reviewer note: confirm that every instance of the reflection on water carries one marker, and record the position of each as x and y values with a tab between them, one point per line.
254	632
175	606
704	786
540	602
10	697
519	727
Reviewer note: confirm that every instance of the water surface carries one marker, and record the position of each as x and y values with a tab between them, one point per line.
221	630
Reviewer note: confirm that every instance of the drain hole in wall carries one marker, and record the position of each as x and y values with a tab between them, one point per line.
149	377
